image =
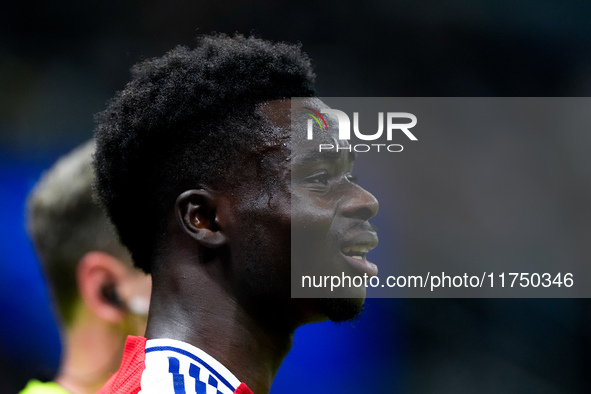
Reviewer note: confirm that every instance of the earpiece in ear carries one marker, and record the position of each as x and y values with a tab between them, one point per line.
139	305
109	293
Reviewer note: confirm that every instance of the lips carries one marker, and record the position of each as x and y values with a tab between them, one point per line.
355	249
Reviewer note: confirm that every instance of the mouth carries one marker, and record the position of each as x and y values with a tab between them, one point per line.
355	253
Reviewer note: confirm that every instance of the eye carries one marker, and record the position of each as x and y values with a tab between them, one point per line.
321	178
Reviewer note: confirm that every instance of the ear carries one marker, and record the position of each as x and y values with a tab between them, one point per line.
196	211
99	277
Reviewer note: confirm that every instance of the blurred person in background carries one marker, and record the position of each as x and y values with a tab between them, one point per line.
101	297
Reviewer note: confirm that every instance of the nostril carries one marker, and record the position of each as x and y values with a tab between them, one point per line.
363	213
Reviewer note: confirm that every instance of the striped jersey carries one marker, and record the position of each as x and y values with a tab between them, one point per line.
167	366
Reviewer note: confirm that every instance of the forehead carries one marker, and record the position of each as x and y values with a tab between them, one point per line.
292	116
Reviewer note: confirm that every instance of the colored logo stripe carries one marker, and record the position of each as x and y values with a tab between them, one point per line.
315	118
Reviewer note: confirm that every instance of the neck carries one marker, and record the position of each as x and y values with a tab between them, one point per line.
198	311
91	354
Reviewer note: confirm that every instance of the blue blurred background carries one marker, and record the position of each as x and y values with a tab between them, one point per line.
61	60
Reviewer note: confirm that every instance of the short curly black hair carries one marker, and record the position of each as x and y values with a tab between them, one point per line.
188	118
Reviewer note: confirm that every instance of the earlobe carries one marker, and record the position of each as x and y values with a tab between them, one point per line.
197	214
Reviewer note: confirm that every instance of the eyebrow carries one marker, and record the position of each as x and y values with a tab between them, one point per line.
314	157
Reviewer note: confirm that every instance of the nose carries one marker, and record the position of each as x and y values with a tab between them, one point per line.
358	203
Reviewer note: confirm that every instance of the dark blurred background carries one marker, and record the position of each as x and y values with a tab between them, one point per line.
60	61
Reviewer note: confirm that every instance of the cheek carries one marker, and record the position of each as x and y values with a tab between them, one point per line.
312	239
312	213
263	229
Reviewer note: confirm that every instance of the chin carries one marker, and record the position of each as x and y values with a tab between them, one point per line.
341	309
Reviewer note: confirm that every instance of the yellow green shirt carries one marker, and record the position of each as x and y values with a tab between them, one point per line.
37	387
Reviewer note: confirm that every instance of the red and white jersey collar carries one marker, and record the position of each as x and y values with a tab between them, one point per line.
177	367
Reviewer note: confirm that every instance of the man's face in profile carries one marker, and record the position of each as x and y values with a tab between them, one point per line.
318	212
331	234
